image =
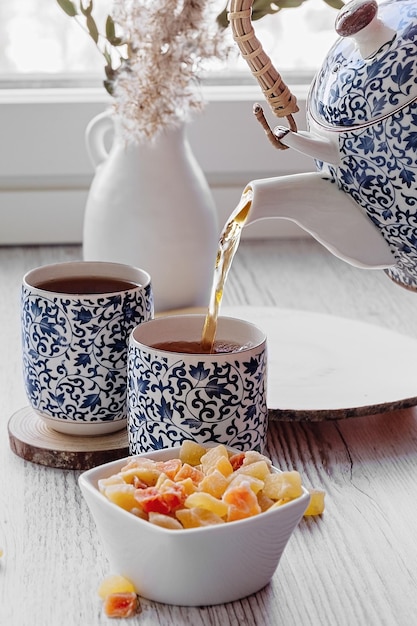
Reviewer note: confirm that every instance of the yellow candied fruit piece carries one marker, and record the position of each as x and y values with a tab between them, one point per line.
283	485
166	521
214	484
209	459
189	486
161	479
224	466
146	474
316	506
122	495
191	452
137	463
252	456
115	584
255	483
195	517
103	483
277	503
258	469
206	501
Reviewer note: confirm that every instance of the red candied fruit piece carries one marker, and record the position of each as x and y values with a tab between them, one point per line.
236	460
163	501
121	604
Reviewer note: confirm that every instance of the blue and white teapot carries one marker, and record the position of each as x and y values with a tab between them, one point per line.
361	203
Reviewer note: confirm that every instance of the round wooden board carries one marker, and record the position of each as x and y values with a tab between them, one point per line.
31	439
324	367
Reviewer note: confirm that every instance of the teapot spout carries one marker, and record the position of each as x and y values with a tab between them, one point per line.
315	203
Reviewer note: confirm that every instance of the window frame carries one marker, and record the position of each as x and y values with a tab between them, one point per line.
45	172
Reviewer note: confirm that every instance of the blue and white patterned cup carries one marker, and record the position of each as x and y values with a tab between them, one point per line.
208	398
75	338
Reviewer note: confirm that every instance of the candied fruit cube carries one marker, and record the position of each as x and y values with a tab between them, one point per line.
283	485
224	466
161	479
206	501
258	469
252	456
277	503
166	521
103	483
122	495
115	584
189	471
242	502
146	474
195	517
165	500
316	505
170	467
210	458
121	605
188	485
237	459
255	484
191	452
215	484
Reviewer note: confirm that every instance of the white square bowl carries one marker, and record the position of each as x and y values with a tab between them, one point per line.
191	567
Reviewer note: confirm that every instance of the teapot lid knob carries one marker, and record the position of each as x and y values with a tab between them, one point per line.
354	16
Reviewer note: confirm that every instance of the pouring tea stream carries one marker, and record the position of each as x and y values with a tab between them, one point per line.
361	203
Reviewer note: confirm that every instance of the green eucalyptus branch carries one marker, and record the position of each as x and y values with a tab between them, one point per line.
261	8
117	51
114	49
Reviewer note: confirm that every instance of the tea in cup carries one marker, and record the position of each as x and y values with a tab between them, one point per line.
76	321
177	391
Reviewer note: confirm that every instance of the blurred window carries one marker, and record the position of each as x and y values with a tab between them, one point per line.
41	46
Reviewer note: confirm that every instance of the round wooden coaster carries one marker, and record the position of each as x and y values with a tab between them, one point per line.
32	440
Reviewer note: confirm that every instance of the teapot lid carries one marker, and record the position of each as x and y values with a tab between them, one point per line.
371	70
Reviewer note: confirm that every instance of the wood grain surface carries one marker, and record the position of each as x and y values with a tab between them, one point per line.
32	440
354	566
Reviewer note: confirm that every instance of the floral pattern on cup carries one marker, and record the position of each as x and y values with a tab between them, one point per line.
209	400
74	352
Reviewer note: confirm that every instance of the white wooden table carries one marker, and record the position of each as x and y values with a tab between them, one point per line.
355	566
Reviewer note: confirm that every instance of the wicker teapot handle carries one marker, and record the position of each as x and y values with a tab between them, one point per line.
276	92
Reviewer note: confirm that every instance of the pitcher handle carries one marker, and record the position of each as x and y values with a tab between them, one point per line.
95	134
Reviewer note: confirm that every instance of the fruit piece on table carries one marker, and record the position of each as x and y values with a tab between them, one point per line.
316	506
115	584
121	605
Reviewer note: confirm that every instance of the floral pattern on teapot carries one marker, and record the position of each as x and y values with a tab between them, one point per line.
371	104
